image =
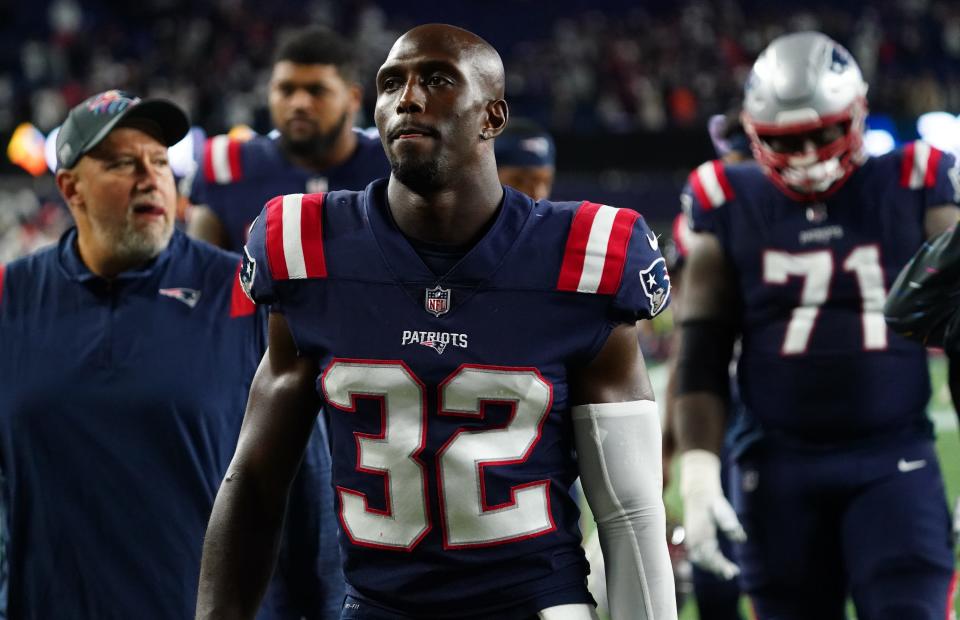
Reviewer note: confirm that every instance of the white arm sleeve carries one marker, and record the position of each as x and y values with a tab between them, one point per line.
619	450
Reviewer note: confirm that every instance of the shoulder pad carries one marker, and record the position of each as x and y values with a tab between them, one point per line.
918	165
221	160
596	249
709	184
294	237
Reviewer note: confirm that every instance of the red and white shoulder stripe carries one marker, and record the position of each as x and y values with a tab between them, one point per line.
918	168
295	237
221	160
710	185
596	250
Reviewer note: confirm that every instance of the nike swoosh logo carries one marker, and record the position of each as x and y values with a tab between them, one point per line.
906	466
652	240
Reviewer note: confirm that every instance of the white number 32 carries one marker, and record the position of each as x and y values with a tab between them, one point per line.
394	454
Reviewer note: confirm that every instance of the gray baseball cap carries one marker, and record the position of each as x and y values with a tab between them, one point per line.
88	123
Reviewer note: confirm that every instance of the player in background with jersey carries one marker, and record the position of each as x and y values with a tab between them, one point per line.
314	99
482	339
717	597
837	487
526	158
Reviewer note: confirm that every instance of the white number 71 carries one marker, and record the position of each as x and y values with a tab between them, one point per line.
816	269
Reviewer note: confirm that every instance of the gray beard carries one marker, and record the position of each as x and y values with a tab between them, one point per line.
132	246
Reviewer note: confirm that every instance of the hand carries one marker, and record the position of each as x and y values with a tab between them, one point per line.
704	510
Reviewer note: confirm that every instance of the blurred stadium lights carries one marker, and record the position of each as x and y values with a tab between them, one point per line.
878	142
940	129
31	151
50	149
183	158
25	149
880	136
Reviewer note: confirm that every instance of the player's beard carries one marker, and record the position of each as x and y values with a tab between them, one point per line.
133	244
423	176
319	144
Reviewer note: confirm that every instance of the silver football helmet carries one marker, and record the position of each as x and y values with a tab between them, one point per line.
804	108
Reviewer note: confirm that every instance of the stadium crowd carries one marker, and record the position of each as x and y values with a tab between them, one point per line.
607	67
615	66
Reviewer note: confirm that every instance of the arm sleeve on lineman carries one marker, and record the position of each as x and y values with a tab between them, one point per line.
618	447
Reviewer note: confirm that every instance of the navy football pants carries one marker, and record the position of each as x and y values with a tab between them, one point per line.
717	599
873	522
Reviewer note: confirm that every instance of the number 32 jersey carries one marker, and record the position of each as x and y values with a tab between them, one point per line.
447	396
817	359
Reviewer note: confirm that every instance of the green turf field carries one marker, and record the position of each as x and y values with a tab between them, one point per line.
948	446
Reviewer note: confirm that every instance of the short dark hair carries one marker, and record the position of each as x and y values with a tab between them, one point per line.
317	45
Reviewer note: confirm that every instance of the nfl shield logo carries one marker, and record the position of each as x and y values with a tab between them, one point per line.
437	300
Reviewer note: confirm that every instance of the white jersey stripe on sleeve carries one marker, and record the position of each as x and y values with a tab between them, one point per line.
292	243
596	254
711	184
220	158
921	158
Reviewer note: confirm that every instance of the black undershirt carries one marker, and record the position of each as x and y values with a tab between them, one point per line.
440	258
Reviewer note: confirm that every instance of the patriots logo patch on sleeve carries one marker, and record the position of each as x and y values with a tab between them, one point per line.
248	271
656	285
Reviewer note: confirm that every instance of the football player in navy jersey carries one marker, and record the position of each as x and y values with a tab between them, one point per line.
526	158
717	598
466	342
127	354
836	482
314	99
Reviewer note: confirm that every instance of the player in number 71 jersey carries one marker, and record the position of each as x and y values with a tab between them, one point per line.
794	256
466	342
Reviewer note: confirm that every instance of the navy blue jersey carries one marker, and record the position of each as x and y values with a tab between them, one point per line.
817	359
447	396
120	407
235	179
